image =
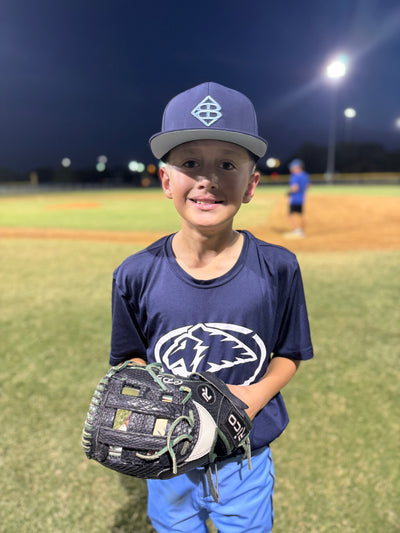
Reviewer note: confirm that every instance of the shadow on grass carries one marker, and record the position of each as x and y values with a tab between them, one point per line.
132	518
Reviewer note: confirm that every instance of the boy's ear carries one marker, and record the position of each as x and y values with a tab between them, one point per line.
165	181
251	187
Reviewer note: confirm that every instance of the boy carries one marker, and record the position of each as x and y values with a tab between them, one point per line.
209	298
298	185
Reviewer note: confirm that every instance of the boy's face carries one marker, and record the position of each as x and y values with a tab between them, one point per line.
296	169
208	181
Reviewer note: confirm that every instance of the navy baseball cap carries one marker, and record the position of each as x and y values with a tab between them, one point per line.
208	111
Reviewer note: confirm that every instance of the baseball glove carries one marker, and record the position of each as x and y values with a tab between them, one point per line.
149	424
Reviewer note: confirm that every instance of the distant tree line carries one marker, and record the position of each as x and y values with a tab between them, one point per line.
111	176
350	157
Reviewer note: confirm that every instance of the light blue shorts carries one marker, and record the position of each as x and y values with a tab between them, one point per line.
184	503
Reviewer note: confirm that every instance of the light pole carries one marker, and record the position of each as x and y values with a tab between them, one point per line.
335	71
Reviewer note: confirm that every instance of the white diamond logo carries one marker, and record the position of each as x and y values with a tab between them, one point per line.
207	111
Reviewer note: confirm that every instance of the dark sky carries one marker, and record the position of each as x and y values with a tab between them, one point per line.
80	78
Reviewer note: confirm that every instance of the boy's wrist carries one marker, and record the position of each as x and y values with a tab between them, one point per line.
257	395
139	360
256	400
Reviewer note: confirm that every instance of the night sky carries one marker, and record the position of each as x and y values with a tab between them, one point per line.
81	78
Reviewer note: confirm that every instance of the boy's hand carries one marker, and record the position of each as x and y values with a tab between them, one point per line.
279	372
244	393
139	360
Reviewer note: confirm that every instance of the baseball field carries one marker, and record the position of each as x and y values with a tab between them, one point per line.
337	464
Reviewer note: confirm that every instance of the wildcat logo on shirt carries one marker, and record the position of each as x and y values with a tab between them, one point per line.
210	347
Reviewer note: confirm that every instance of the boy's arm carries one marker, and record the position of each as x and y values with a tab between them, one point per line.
279	372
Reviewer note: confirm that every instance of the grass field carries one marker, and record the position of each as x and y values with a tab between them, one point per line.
138	210
337	464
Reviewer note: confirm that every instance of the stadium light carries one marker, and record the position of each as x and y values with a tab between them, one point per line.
335	71
349	112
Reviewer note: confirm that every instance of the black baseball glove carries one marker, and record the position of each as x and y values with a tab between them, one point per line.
149	424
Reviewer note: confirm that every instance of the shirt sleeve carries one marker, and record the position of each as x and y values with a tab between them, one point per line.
294	338
127	339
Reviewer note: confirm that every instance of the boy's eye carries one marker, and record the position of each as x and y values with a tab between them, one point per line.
227	165
189	164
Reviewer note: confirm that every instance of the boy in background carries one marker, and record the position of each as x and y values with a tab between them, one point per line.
298	185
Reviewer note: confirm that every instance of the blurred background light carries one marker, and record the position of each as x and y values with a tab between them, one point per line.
135	166
66	162
102	159
151	169
272	162
349	112
145	182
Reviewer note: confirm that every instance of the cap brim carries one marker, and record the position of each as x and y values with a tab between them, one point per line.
162	143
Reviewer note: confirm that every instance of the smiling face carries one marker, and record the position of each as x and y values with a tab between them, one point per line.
208	181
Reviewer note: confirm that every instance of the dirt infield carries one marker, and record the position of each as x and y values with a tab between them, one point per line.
334	223
340	223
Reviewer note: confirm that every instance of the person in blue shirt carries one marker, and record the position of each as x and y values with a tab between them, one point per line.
298	185
216	299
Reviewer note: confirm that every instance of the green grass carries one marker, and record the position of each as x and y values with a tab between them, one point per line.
140	210
337	464
108	210
133	210
55	324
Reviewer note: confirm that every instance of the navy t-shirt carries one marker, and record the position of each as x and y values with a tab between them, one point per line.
231	325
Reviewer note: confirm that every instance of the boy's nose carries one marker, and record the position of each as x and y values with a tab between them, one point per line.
208	180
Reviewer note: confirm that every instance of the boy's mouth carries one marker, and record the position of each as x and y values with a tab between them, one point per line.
206	202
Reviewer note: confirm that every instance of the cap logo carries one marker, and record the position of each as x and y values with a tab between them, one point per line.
207	111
